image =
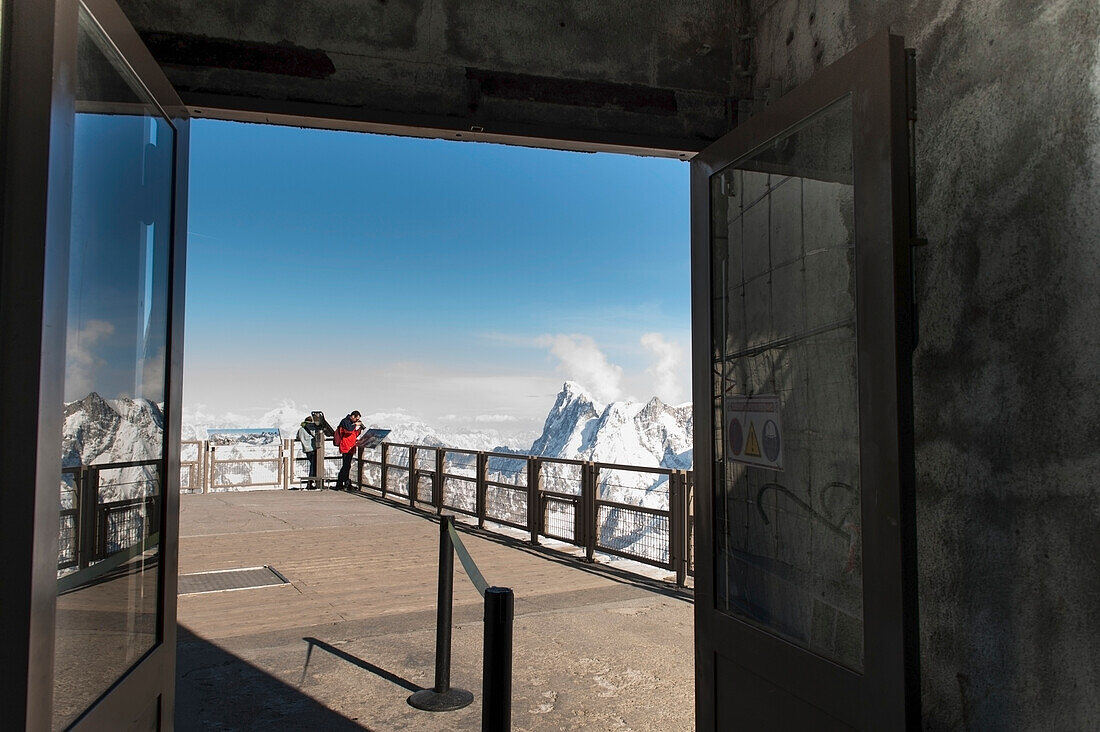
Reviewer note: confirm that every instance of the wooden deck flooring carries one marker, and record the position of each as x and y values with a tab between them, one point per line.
351	635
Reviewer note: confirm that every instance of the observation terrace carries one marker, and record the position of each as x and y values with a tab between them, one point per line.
597	555
350	635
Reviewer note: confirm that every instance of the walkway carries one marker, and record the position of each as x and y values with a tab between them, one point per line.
343	645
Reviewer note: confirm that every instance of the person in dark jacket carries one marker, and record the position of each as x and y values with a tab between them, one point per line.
347	433
309	435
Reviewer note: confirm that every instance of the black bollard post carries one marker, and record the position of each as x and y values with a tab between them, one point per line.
442	698
496	692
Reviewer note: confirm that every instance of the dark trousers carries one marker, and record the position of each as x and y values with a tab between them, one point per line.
311	456
343	480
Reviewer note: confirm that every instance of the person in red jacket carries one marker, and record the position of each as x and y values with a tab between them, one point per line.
346	435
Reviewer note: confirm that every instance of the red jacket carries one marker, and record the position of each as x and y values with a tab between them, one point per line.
345	436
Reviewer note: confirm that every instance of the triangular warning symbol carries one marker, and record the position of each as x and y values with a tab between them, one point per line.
752	446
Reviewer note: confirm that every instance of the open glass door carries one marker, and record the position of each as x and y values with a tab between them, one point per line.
98	288
805	549
113	587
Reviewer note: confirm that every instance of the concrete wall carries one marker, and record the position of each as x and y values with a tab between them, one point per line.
1007	403
648	68
1007	374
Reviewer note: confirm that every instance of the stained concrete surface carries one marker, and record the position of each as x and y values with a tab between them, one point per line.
1007	425
350	638
383	59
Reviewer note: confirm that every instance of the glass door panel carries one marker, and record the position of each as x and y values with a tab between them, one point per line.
805	589
785	389
113	440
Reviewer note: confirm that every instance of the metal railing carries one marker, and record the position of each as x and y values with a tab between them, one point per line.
201	471
91	530
549	498
573	501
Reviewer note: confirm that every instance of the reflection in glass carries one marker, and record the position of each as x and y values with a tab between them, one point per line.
788	554
113	441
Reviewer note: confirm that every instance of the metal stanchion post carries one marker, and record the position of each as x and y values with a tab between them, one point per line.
442	698
496	693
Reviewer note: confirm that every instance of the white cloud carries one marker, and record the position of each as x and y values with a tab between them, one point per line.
494	418
665	367
81	362
582	361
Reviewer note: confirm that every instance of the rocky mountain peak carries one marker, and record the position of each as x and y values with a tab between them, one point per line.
565	427
97	431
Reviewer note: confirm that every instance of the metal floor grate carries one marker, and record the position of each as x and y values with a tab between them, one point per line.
229	579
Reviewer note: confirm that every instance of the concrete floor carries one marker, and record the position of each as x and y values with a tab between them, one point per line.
343	645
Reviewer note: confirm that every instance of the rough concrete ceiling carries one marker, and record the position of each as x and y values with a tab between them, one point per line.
645	73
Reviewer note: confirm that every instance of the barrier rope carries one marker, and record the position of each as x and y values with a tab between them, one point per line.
468	563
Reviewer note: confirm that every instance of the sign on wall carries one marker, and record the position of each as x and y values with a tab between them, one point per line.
754	433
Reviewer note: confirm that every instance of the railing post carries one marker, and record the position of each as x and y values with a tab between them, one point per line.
689	518
385	460
677	536
481	487
359	471
86	501
412	476
534	493
290	458
441	697
496	690
212	463
291	449
207	473
283	449
100	521
437	484
588	497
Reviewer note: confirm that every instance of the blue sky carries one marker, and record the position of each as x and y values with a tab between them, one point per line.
460	282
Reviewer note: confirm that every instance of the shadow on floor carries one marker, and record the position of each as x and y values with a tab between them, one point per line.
216	690
365	665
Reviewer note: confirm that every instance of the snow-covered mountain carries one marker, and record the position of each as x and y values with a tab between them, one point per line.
648	434
97	431
652	433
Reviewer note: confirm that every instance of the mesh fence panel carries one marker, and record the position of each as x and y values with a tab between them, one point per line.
460	494
512	471
559	519
398	456
372	476
66	550
506	504
561	478
126	526
397	481
424	487
460	463
635	533
634	487
261	471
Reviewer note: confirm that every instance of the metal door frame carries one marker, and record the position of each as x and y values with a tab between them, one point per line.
887	694
39	73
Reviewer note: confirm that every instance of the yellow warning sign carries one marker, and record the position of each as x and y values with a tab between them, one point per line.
754	433
752	446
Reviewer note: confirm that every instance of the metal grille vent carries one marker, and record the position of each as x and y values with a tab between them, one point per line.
226	580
